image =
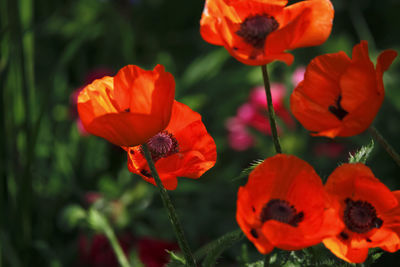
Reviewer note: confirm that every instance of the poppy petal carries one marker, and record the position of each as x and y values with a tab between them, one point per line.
340	96
96	100
224	22
318	25
208	23
368	211
250	224
130	108
358	181
183	116
293	185
384	61
145	92
195	154
345	252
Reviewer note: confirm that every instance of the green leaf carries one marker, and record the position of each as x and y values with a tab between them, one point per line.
362	154
204	66
176	260
214	249
249	169
255	264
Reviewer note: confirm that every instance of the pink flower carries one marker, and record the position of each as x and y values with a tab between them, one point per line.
235	124
298	75
246	112
254	114
259	99
238	136
240	140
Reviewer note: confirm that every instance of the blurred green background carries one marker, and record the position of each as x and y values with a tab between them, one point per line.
49	49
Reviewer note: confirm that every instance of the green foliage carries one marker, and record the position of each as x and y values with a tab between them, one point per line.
362	154
72	216
245	172
213	250
175	259
255	264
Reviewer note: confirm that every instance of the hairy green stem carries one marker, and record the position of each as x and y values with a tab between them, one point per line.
271	112
183	244
382	141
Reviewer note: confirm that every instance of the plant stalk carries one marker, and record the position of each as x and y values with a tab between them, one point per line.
123	261
271	112
382	141
183	244
102	223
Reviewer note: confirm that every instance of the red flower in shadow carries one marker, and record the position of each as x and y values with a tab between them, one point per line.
183	149
340	96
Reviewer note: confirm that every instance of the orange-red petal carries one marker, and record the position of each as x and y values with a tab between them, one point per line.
196	155
289	179
130	108
356	182
306	23
334	82
344	252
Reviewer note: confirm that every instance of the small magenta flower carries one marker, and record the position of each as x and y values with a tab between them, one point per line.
239	137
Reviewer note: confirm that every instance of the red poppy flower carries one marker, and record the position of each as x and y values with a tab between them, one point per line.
340	96
284	205
368	209
129	108
183	149
257	32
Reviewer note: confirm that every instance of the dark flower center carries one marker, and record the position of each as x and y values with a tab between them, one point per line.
360	216
162	145
146	173
255	29
337	110
281	211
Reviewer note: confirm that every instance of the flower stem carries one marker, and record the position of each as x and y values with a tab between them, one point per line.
183	244
382	141
271	112
108	231
267	259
